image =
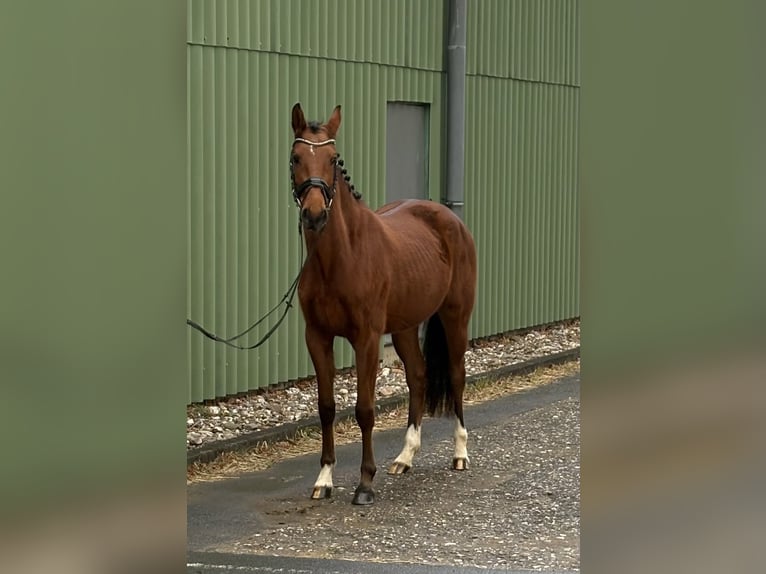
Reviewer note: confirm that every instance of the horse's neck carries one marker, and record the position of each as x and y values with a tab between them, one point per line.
338	244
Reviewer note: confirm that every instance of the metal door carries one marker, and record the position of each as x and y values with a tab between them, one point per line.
406	151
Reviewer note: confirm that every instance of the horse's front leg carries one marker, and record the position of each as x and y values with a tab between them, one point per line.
366	349
320	349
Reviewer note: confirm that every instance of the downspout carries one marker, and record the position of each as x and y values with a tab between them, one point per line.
456	106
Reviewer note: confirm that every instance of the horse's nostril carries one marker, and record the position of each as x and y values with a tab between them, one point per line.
315	221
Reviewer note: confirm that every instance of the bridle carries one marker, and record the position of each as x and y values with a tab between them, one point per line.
328	191
298	191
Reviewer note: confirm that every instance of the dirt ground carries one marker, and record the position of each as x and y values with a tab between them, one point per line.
516	507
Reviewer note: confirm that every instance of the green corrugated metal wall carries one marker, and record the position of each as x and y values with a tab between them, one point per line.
533	40
522	101
393	32
247	66
251	60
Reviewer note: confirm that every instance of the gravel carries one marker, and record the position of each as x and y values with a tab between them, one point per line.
235	416
517	507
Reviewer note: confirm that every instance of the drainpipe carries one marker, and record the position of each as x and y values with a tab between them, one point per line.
456	106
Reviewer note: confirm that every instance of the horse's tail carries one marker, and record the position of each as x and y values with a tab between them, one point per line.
439	398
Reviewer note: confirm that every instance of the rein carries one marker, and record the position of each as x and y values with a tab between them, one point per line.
287	298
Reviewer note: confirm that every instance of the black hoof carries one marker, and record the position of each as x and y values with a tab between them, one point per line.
363	496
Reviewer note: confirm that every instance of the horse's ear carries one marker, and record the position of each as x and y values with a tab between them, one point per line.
299	120
333	123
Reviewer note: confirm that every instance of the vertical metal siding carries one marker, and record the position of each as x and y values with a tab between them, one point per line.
395	33
244	249
534	40
521	201
521	163
250	60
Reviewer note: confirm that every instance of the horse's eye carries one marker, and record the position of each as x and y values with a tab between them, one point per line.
296	159
334	159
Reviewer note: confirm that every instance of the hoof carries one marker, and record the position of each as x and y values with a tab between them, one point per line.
363	496
460	463
398	468
321	492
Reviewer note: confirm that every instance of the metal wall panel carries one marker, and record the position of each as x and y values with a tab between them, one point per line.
244	249
534	40
522	201
394	32
249	61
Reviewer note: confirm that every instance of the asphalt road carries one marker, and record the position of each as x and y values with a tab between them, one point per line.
516	509
215	563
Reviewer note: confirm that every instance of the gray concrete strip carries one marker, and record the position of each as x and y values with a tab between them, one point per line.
218	563
210	451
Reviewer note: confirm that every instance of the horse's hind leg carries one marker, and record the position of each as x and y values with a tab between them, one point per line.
407	347
456	330
320	349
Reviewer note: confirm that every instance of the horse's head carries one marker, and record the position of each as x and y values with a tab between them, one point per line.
313	167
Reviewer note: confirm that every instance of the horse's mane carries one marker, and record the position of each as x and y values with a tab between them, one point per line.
354	193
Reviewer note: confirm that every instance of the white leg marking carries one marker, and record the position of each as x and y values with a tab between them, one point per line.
461	441
411	446
325	477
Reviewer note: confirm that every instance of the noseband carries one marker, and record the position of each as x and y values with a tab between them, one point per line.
328	191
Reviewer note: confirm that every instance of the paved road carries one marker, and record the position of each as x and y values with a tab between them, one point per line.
216	563
515	509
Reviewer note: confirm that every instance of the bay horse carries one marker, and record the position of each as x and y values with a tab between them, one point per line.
369	273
